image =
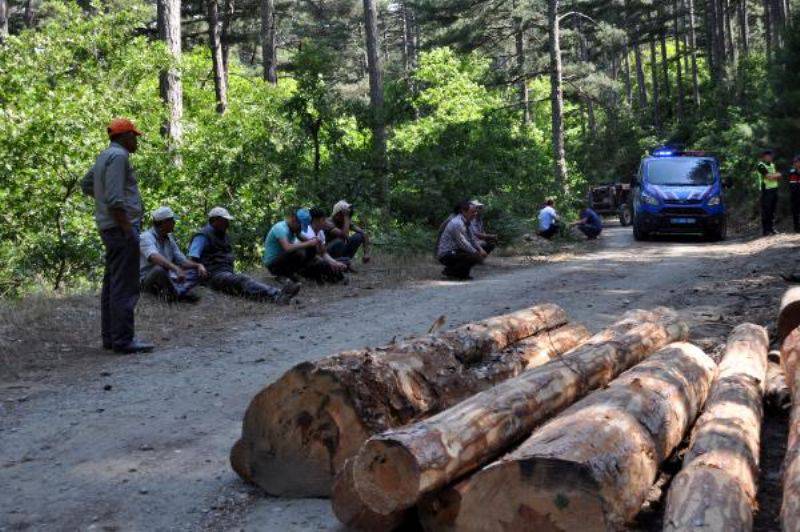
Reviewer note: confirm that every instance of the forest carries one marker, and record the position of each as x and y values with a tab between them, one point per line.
402	107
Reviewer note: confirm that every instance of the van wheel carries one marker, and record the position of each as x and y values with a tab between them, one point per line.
719	234
638	233
625	215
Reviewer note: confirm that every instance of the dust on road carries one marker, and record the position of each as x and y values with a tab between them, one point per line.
143	444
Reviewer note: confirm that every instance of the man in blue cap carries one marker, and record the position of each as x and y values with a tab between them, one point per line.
285	255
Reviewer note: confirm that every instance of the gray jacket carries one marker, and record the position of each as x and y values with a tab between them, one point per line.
112	184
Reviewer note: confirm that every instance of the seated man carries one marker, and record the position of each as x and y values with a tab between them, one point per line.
212	248
456	247
487	241
344	237
590	224
323	268
163	269
548	220
285	255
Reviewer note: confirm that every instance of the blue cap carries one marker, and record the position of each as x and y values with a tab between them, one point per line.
304	217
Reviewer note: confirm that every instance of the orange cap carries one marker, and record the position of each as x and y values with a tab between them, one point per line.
118	126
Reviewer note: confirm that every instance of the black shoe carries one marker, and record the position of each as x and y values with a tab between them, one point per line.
189	298
136	346
287	293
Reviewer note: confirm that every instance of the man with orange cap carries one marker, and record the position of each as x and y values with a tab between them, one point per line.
118	212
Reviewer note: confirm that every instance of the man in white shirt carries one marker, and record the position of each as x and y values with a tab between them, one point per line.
323	267
548	220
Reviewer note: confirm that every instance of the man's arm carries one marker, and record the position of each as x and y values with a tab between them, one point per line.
114	185
196	248
300	244
87	183
184	262
367	243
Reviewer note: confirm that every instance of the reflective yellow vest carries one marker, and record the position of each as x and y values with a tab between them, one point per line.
770	168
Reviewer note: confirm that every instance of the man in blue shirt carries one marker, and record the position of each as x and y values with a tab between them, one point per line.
285	255
212	248
590	224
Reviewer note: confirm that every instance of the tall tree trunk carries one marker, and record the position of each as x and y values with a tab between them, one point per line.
215	44
685	38
523	80
627	68
556	98
269	56
662	36
227	20
406	39
693	54
744	29
637	54
169	30
678	66
3	20
30	13
376	97
584	56
768	35
732	51
654	77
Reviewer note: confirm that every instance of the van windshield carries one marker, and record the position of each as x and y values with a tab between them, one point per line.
679	171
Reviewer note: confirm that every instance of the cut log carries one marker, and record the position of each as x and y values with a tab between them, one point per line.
591	467
351	510
395	468
776	396
298	431
790	508
789	314
716	488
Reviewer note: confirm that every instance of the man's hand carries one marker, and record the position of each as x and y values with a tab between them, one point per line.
180	275
201	271
482	253
311	242
338	266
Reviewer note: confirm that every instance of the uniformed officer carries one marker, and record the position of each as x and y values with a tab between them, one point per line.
794	188
768	179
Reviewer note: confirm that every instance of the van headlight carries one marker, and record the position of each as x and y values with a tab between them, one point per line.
650	200
713	201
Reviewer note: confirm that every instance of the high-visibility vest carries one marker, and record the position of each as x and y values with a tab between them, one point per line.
770	169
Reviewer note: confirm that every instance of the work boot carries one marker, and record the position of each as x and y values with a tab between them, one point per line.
284	297
135	346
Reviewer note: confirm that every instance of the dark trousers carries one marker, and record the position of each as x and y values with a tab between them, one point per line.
163	283
120	287
488	247
458	263
591	231
237	284
769	202
550	232
345	249
290	263
794	189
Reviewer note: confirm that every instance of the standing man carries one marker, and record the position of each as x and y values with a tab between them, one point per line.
212	248
794	188
163	268
456	247
768	180
548	220
344	237
118	212
487	241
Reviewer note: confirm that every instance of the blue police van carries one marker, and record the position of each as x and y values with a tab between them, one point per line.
679	191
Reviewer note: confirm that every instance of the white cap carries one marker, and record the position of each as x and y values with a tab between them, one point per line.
162	213
220	212
340	206
477	203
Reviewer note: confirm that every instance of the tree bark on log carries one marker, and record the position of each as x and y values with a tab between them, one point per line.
394	469
298	431
789	313
790	509
591	467
776	395
716	488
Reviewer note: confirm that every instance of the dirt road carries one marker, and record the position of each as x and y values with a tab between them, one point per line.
141	443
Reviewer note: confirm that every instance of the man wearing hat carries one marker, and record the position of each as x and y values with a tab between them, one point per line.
285	255
163	269
486	240
211	247
768	180
118	212
344	237
794	189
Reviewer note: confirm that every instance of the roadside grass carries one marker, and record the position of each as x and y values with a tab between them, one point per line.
51	332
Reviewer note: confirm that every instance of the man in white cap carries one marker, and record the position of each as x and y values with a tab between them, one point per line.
344	237
163	269
211	246
487	241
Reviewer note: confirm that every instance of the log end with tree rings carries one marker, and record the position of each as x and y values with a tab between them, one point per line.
351	510
388	476
789	314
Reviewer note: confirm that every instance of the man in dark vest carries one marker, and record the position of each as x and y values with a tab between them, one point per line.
212	248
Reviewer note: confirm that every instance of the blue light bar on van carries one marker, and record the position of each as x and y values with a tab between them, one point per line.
663	152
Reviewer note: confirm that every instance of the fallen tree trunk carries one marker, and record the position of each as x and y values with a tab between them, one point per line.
298	431
789	313
790	508
394	469
776	395
591	467
716	488
351	510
